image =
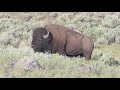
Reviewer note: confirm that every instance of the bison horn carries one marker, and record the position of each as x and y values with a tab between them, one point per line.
46	36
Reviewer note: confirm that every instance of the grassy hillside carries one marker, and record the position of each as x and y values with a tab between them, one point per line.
17	58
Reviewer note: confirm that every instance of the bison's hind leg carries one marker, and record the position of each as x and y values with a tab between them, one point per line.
87	55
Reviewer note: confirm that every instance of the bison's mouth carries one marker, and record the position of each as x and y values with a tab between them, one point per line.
36	49
33	46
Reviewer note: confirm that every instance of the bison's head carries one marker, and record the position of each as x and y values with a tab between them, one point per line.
41	39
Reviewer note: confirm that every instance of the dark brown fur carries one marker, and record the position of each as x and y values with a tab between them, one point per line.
68	42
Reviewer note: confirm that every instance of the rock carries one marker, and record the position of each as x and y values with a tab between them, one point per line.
26	63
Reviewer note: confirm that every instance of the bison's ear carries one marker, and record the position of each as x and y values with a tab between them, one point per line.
46	36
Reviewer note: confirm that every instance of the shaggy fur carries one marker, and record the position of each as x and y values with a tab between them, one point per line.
62	40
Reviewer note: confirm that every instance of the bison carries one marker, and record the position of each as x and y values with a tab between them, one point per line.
55	38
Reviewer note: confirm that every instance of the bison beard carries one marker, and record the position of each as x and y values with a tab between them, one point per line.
62	40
